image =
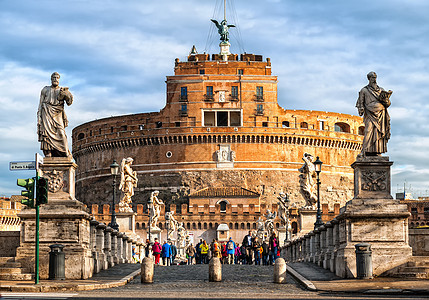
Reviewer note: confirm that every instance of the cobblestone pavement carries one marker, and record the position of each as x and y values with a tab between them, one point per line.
240	281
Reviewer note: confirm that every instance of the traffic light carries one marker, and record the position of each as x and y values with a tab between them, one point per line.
42	191
28	184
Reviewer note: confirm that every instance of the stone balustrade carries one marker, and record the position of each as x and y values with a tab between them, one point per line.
318	246
110	247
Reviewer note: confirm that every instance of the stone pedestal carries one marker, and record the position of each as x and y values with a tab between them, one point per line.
126	222
64	220
372	216
282	235
155	232
307	217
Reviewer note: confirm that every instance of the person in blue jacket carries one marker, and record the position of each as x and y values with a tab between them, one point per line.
230	250
166	254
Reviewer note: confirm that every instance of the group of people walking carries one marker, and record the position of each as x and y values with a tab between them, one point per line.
251	251
168	252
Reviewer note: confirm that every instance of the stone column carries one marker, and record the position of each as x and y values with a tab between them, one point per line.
316	246
108	246
329	246
102	261
131	243
323	245
119	245
307	247
114	242
312	246
335	244
125	248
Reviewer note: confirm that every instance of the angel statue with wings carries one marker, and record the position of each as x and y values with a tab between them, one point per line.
223	29
127	185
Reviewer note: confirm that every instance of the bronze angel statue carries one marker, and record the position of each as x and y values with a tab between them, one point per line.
223	29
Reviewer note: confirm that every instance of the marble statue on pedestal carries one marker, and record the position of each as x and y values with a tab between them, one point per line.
269	222
128	183
372	103
52	119
307	180
181	235
156	209
172	224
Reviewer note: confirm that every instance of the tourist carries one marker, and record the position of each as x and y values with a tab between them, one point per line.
224	255
230	250
173	252
247	242
156	249
237	254
198	252
215	248
204	249
273	247
265	253
256	248
190	252
147	248
243	254
166	254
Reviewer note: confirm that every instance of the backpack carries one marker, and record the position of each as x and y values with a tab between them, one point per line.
230	246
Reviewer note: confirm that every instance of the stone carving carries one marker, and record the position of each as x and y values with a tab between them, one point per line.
127	185
156	209
283	208
181	235
307	180
223	29
269	222
172	224
232	154
372	103
260	229
55	180
52	120
374	180
225	154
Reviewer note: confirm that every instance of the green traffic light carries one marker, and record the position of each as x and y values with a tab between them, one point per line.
28	184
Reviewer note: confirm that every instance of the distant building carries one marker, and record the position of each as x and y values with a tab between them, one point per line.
9	208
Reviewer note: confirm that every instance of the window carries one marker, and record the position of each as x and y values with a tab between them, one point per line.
158	124
99	131
222	118
426	210
304	125
414	210
183	93
285	124
321	125
111	129
81	136
361	130
259	109
124	128
264	124
342	127
294	227
223	204
202	72
177	124
184	110
235	118
240	71
234	91
259	93
141	127
209	118
209	90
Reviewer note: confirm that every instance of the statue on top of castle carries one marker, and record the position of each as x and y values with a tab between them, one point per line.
52	119
128	183
307	180
223	29
156	209
372	103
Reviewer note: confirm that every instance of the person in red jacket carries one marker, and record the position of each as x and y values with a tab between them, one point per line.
156	250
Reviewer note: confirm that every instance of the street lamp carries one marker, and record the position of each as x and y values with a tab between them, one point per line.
114	169
149	207
167	221
318	167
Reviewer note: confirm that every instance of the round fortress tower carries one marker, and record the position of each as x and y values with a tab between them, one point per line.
221	127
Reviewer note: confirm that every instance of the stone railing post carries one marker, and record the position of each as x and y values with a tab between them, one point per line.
92	244
102	262
323	246
316	245
108	246
119	244
114	242
125	248
329	245
336	244
131	243
312	246
307	248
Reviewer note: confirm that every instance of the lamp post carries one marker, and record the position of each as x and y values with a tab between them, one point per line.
114	169
149	207
318	166
287	201
167	223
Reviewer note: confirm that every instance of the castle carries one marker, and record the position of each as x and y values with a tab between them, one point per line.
221	140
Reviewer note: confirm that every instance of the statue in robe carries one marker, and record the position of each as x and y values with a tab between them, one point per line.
128	183
307	180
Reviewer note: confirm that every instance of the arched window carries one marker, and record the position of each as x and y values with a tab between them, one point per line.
81	136
361	130
223	204
294	227
304	125
342	127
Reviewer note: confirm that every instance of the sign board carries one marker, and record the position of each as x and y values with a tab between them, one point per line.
22	165
39	161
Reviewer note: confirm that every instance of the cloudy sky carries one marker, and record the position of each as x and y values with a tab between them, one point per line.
114	56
